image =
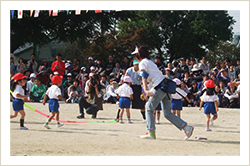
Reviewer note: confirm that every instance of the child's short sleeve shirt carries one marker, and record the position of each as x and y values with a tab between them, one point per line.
18	90
53	92
125	90
207	98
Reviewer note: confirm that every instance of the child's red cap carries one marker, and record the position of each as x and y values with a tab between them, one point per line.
209	84
56	79
18	76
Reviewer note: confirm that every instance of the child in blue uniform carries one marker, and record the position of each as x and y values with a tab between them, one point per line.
20	97
54	93
209	99
125	93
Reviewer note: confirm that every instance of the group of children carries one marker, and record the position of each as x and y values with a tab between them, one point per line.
124	93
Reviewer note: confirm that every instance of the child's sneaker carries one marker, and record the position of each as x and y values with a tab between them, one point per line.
23	128
211	122
188	130
157	122
121	121
149	135
46	126
208	129
59	124
129	121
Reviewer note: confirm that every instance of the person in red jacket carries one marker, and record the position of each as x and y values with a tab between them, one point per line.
58	65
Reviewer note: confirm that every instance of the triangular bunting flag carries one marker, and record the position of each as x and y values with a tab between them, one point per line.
50	12
36	13
87	11
118	10
78	12
12	13
67	12
31	12
98	11
20	14
54	12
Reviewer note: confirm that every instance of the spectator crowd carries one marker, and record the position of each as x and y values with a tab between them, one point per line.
79	79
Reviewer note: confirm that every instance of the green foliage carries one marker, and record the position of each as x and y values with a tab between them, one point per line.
222	51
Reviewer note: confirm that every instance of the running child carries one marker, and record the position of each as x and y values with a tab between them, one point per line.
209	100
20	97
125	93
176	98
54	93
157	113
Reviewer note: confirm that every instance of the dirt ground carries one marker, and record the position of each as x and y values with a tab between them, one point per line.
114	139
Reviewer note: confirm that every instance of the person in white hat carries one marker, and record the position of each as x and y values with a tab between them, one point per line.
89	64
30	83
149	71
125	94
196	73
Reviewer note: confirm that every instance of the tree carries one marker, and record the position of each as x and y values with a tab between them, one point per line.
222	51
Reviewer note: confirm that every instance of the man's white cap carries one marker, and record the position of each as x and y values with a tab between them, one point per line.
69	75
136	51
92	68
177	81
32	75
90	58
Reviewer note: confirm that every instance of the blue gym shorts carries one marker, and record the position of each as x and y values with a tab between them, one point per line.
124	102
17	104
158	107
209	108
177	104
53	105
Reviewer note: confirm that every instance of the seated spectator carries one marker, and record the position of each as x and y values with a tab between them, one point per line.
104	80
81	77
32	64
187	80
38	91
12	65
111	96
231	97
126	63
78	89
30	83
45	63
237	69
67	84
204	66
72	95
213	75
99	67
175	64
219	94
195	98
222	75
117	68
76	70
196	73
232	72
184	88
21	66
42	75
109	66
89	64
169	73
181	69
159	64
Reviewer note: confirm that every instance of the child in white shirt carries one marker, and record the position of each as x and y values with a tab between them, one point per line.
209	99
30	83
72	95
125	93
176	98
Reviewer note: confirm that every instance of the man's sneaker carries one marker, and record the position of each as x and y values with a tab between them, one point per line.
46	126
211	122
121	121
81	116
59	124
208	129
148	135
23	128
68	100
188	130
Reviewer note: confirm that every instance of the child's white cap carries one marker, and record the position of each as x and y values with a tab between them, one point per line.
177	81
127	79
32	75
92	68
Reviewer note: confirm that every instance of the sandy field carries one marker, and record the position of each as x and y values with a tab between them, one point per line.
114	139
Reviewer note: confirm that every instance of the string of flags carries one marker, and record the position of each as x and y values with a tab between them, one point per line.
50	13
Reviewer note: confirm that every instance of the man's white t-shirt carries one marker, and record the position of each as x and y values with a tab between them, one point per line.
53	92
151	68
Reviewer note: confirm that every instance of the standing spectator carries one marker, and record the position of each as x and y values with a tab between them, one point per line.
222	75
32	64
42	75
117	68
58	65
237	69
217	65
232	72
81	76
67	84
30	83
181	69
12	66
228	63
45	63
77	62
193	62
204	66
214	77
38	91
159	64
169	65
188	63
76	70
196	73
90	63
126	63
109	66
21	67
99	67
187	80
175	64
